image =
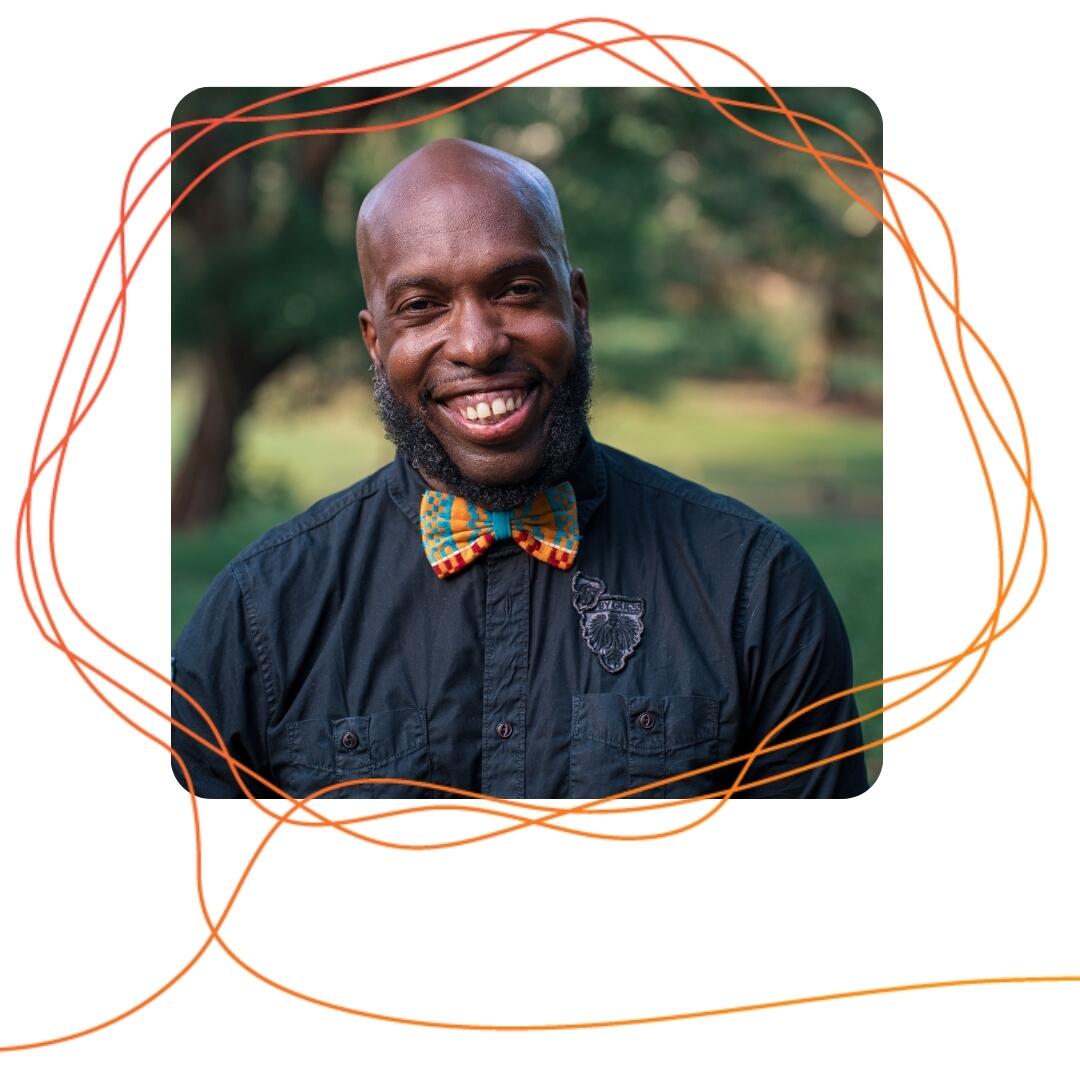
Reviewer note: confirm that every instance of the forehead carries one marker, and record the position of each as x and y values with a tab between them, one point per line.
454	229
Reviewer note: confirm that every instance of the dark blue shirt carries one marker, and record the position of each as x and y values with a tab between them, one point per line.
688	627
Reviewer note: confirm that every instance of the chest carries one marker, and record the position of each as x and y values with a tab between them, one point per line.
514	678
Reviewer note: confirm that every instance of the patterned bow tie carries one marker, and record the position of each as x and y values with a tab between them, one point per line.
455	531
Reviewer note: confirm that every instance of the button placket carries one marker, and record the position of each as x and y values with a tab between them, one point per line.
506	658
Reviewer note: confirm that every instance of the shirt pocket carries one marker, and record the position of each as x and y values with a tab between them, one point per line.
379	746
619	742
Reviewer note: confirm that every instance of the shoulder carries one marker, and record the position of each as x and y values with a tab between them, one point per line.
323	523
659	483
669	494
291	556
720	524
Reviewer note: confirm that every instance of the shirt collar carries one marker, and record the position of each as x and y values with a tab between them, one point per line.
588	475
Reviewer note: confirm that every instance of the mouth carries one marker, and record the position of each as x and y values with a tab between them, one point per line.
493	416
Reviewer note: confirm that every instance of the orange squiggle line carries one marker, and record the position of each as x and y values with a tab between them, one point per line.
980	646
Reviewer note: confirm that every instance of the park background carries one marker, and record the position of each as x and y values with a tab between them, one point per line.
735	309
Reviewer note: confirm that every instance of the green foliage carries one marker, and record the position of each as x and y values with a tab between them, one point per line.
739	251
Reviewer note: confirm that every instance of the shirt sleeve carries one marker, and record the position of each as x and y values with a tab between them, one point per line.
794	651
219	662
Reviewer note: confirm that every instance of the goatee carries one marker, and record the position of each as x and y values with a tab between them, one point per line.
569	420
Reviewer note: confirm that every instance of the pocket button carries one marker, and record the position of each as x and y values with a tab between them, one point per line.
349	741
646	720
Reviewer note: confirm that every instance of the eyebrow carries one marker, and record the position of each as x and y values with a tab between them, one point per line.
400	282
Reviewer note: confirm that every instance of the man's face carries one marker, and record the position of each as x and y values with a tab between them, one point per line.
479	332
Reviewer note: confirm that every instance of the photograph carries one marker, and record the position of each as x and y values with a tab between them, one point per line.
531	450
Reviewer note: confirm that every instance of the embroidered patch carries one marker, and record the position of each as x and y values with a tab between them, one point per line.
611	625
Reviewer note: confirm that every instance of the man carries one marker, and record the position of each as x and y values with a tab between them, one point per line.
509	607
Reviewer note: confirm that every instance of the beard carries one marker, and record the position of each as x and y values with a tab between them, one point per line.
568	422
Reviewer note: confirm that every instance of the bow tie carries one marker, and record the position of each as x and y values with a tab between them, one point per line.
455	531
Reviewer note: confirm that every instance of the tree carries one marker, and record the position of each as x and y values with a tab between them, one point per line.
708	252
256	280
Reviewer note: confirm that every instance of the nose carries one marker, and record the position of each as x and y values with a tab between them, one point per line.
475	335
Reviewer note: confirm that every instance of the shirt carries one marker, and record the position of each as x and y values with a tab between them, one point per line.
329	650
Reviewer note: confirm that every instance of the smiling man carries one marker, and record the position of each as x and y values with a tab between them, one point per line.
509	607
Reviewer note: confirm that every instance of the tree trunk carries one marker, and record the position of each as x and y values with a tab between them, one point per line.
233	367
231	375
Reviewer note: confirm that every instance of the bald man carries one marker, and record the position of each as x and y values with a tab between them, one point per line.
509	607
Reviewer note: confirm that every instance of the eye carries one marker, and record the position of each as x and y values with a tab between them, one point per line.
417	306
523	289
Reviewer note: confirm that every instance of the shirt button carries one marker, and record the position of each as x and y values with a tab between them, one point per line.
646	721
349	741
504	729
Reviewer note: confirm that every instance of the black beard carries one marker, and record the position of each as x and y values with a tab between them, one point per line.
569	419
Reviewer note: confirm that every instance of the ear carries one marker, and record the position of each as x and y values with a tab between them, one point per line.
370	337
579	297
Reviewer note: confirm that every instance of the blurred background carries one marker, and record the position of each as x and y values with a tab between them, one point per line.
735	297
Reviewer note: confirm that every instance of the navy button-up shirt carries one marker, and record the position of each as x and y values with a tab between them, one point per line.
329	650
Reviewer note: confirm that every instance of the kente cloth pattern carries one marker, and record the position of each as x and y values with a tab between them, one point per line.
455	532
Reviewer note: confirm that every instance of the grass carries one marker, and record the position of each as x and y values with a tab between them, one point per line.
817	472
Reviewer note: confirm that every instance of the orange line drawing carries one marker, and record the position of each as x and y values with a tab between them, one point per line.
511	815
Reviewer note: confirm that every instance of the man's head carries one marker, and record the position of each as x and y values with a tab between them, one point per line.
476	324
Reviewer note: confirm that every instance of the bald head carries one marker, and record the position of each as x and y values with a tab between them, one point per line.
453	179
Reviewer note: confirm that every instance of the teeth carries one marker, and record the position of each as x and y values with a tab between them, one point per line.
492	410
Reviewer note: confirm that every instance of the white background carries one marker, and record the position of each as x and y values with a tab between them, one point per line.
960	863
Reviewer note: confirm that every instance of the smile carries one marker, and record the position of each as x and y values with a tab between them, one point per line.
492	415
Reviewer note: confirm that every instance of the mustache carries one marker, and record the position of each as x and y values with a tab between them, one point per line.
524	370
514	367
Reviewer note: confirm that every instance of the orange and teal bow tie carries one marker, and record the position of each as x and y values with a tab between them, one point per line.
455	531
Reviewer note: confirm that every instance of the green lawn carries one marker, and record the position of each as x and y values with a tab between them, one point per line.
817	472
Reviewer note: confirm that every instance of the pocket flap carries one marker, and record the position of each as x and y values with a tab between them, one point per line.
356	745
381	737
647	721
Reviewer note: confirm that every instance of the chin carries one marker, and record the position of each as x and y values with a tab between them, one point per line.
499	473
